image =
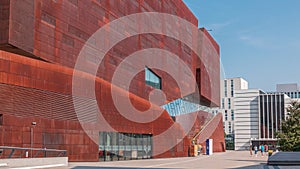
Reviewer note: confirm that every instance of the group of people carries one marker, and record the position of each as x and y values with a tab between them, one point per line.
262	148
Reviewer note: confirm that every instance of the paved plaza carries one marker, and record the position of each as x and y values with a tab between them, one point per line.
229	159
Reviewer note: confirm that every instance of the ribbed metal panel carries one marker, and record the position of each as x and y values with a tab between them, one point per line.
25	102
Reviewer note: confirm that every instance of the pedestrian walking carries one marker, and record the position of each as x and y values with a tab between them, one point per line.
255	150
262	150
250	149
266	149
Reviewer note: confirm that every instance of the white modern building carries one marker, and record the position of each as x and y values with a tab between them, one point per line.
228	86
291	89
251	116
258	117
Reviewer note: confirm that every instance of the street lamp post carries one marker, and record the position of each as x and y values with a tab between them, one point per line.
31	137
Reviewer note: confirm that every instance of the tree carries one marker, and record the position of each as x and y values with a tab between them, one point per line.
289	137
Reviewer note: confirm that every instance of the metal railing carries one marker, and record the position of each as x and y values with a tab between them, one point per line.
19	152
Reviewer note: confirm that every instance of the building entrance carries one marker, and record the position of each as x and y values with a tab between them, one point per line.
115	146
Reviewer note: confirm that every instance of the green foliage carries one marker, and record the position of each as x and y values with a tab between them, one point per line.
289	137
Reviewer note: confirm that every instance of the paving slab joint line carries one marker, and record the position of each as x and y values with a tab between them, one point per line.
176	162
42	166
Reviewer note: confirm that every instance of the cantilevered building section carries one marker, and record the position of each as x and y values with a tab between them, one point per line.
97	78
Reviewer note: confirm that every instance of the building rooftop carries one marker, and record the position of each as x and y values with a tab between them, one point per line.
289	87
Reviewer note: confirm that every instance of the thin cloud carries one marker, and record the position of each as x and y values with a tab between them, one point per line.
219	26
254	40
222	28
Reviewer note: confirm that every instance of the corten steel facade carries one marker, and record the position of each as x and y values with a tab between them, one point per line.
40	42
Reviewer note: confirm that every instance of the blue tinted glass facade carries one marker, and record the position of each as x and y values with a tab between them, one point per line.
182	106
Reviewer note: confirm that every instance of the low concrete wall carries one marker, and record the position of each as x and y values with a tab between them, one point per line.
30	162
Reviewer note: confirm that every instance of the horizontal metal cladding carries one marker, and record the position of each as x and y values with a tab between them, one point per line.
24	102
43	100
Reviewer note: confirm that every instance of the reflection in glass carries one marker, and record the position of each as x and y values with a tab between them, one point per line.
115	146
152	79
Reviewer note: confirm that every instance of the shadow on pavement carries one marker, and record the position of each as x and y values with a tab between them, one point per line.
257	166
265	166
87	167
262	162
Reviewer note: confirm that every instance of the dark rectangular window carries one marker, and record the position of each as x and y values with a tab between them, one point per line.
265	117
198	78
231	87
278	110
261	116
1	119
282	108
225	88
223	103
274	115
152	79
270	116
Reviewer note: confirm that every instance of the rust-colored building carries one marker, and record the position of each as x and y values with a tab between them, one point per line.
51	73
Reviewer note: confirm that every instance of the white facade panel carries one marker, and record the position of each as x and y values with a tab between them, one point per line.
246	117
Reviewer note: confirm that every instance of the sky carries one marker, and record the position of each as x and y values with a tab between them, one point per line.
259	39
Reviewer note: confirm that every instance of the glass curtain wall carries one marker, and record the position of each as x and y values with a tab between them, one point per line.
115	146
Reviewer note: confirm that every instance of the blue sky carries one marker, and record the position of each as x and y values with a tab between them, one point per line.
259	39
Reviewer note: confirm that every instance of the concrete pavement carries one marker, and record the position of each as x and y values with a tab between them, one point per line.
229	159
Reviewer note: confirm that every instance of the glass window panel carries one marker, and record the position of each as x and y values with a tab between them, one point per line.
223	104
152	79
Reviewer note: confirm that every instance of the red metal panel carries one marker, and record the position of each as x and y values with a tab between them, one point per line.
4	21
55	31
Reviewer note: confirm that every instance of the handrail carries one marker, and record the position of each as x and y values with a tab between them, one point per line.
22	148
203	127
22	152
